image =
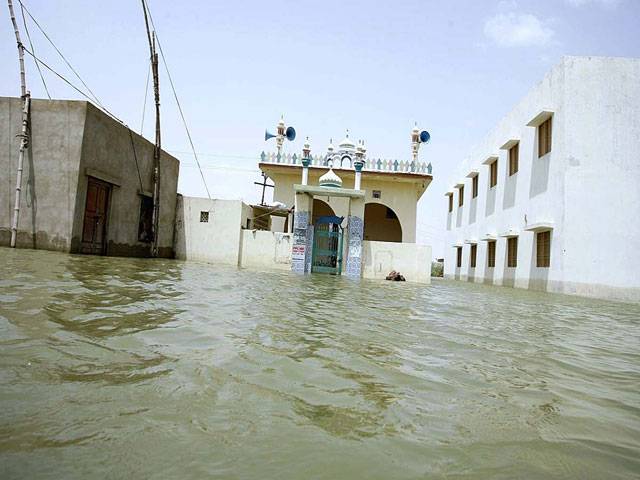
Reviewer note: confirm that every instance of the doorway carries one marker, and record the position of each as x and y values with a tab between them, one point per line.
94	229
327	245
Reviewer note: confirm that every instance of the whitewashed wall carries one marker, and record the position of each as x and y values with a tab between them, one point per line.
413	261
587	186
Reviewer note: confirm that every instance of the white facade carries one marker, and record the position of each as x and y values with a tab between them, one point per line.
585	191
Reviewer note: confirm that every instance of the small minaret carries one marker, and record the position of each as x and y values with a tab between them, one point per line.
359	163
415	142
280	135
306	160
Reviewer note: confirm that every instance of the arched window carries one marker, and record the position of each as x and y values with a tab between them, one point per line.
381	223
320	209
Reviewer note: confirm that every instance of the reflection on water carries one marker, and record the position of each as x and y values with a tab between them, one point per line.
124	368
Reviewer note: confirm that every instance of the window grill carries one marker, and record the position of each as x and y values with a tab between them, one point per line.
204	217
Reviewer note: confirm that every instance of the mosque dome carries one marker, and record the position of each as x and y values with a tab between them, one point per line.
347	143
330	179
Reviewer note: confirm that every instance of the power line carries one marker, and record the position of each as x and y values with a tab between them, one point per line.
65	60
26	29
72	85
144	105
184	121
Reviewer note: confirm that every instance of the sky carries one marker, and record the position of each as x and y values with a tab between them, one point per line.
456	67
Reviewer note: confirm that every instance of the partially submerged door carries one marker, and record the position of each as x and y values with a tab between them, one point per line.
327	245
94	230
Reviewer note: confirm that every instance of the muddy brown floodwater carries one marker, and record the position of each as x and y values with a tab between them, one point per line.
130	368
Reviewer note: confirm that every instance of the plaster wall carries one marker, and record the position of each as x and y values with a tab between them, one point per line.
215	241
265	250
577	188
111	153
50	174
401	197
410	259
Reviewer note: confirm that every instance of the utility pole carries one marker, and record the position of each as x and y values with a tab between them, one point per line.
156	151
24	135
264	185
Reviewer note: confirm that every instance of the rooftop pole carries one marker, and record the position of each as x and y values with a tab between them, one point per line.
156	151
24	135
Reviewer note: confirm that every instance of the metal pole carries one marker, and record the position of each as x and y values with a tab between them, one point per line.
24	135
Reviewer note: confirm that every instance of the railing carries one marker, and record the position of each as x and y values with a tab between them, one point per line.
370	165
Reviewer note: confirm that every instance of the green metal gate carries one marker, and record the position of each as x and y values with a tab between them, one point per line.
327	245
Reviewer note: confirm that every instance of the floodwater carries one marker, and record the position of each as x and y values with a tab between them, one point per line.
120	368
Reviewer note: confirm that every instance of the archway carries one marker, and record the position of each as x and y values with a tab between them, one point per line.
320	209
381	223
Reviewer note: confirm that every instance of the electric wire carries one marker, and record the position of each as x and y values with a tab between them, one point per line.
26	29
63	58
135	157
184	121
71	84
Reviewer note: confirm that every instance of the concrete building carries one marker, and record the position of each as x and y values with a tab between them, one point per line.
87	182
549	200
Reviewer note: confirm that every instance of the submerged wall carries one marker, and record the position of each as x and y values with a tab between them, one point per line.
413	261
263	249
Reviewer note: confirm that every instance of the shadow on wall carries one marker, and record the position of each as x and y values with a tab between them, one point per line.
539	171
488	274
449	220
179	234
491	201
538	276
459	216
510	187
473	209
32	196
509	273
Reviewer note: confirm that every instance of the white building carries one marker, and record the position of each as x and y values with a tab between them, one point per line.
550	200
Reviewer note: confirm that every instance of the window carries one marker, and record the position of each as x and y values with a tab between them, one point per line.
451	203
544	138
474	187
491	254
145	223
512	252
474	252
514	152
493	174
461	196
376	194
459	257
543	249
204	217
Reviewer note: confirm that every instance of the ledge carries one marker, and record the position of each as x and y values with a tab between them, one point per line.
105	177
328	191
490	159
512	232
448	194
540	117
510	143
473	173
145	193
489	237
471	241
458	185
539	227
459	244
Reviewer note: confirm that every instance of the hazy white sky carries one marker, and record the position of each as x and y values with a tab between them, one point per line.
455	67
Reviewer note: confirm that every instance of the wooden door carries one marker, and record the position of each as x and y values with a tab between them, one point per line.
94	230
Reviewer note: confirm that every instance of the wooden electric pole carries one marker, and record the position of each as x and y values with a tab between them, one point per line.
157	149
24	135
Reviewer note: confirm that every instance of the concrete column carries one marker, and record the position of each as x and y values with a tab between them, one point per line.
355	235
358	166
302	234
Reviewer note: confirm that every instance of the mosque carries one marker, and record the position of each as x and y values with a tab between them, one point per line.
339	212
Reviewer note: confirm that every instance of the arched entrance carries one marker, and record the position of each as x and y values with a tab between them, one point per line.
381	223
320	209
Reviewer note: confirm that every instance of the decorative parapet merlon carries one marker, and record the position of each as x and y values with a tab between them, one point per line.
370	165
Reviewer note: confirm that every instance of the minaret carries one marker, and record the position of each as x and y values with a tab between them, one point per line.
280	135
359	163
306	160
415	142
